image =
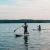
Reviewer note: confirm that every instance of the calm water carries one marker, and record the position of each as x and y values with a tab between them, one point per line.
37	40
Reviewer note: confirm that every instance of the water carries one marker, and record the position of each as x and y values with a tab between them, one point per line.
37	40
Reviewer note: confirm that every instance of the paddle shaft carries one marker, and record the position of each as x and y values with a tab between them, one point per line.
17	28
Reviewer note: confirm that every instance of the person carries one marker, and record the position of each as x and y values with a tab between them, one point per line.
39	28
25	28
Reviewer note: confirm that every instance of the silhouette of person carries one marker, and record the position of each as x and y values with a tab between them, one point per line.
39	28
25	28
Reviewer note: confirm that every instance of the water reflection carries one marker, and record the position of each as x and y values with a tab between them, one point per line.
26	46
26	41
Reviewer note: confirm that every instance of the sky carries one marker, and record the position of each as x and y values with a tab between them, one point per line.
25	9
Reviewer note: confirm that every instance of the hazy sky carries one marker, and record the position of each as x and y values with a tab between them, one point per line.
24	9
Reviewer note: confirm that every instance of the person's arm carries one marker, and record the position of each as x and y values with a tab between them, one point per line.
26	25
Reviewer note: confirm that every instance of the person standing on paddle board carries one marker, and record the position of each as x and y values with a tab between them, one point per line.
39	28
25	33
25	28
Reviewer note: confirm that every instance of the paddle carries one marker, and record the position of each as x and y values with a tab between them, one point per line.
17	28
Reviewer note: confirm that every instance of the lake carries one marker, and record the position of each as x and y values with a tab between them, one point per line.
37	40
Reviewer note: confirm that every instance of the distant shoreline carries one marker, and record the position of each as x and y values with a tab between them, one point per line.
22	21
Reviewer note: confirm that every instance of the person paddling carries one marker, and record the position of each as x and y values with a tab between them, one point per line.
26	34
25	28
39	28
